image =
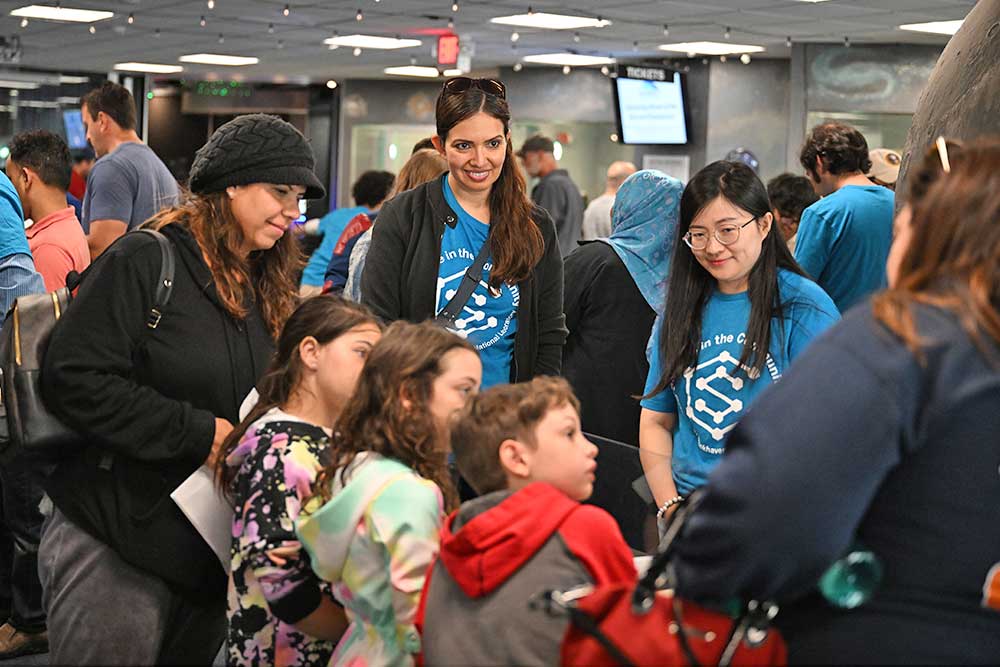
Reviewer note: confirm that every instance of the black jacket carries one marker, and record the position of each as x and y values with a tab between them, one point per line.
402	268
149	398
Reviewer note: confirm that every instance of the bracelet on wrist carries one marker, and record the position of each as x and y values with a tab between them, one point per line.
667	505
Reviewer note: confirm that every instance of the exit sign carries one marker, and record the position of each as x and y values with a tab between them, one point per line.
447	49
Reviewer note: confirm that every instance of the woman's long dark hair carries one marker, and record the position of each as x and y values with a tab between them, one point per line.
265	277
690	285
515	240
389	413
325	318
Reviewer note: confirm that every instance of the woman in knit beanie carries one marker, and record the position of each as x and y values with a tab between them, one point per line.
153	389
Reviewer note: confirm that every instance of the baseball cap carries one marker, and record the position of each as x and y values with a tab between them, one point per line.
537	142
885	165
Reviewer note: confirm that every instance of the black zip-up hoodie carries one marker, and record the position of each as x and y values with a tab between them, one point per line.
401	273
149	399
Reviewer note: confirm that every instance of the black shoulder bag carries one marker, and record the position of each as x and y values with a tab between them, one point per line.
27	428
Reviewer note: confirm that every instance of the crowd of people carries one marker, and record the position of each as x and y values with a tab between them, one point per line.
399	441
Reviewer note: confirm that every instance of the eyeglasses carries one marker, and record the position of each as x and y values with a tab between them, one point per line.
725	234
460	84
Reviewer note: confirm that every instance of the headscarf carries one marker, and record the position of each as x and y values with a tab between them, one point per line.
644	223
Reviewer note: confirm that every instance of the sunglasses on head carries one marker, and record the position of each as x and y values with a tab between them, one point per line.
461	84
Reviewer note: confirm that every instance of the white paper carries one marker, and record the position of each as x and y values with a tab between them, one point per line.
208	511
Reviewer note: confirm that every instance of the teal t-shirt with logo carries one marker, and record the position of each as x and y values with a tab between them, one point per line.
489	319
710	398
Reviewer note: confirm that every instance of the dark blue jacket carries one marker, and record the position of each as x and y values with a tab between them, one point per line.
862	441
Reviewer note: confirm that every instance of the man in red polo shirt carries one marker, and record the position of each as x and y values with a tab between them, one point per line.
39	166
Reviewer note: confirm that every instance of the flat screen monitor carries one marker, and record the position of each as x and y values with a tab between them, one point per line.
650	111
76	134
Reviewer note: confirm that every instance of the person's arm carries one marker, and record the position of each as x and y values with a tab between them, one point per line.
102	234
381	281
814	243
290	587
17	278
800	471
579	276
656	450
356	266
551	319
406	519
53	263
87	377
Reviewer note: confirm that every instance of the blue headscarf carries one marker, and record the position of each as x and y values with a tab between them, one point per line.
644	223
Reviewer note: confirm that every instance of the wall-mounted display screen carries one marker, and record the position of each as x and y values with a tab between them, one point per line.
650	110
76	133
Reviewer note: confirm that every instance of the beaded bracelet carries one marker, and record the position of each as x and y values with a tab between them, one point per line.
667	505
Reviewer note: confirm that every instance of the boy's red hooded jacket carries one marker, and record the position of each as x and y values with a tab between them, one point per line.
497	552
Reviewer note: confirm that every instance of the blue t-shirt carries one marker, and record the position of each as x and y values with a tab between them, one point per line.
843	242
713	396
489	320
331	226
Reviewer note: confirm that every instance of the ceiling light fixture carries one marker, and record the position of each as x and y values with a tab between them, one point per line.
934	27
357	51
280	44
372	42
331	84
605	70
211	4
454	6
130	19
452	72
219	59
222	39
576	37
518	67
93	30
745	59
59	13
451	24
70	79
567	69
413	70
666	30
149	68
270	28
359	16
202	22
847	42
788	41
548	21
24	23
514	36
571	59
286	11
711	48
728	34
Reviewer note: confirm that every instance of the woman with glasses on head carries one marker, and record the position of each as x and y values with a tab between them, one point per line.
738	311
427	239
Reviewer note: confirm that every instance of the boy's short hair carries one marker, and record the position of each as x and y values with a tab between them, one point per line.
510	411
46	154
791	194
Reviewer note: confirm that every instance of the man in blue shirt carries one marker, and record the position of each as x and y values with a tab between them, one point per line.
843	239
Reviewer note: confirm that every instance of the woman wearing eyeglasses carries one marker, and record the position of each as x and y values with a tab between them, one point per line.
427	239
883	435
738	311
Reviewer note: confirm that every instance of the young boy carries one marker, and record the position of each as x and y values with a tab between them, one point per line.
521	448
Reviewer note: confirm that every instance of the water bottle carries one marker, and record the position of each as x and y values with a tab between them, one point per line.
853	579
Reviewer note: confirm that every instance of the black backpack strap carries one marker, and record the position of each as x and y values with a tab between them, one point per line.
165	284
453	308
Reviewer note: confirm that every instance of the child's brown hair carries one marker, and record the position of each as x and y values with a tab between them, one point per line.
402	365
510	411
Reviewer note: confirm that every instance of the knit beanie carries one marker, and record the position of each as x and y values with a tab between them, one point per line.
255	148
